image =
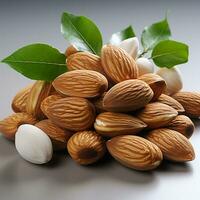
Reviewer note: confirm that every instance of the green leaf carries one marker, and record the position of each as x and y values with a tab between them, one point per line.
169	53
155	33
81	32
38	62
126	33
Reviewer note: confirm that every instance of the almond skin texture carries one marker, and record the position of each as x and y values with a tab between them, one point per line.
190	101
156	83
86	147
70	50
135	152
81	83
127	96
72	113
183	125
163	98
9	125
173	144
111	124
85	60
117	64
157	115
58	136
47	101
20	99
38	93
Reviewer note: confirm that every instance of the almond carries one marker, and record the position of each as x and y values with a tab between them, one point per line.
156	83
98	103
47	101
58	136
183	125
81	83
127	96
86	147
135	152
20	99
117	64
9	125
73	113
163	98
111	124
157	114
190	102
38	93
70	50
173	145
85	60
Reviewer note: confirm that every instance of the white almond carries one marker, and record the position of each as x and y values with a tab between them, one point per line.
172	78
145	66
33	144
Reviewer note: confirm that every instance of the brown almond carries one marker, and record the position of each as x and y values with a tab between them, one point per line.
98	103
58	136
81	83
111	124
73	113
85	60
163	98
190	102
86	147
70	50
173	144
157	114
117	64
127	96
20	99
38	93
183	125
156	83
9	125
135	152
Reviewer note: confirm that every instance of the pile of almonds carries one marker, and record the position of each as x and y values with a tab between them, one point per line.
105	104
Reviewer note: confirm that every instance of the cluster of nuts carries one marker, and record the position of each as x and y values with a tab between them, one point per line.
105	103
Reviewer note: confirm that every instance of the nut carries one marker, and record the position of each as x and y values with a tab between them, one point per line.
172	78
33	144
9	125
145	66
81	83
183	125
127	96
58	136
163	98
156	83
85	60
112	124
71	50
135	152
117	64
20	99
173	145
131	46
38	93
86	147
157	114
190	102
98	103
73	113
